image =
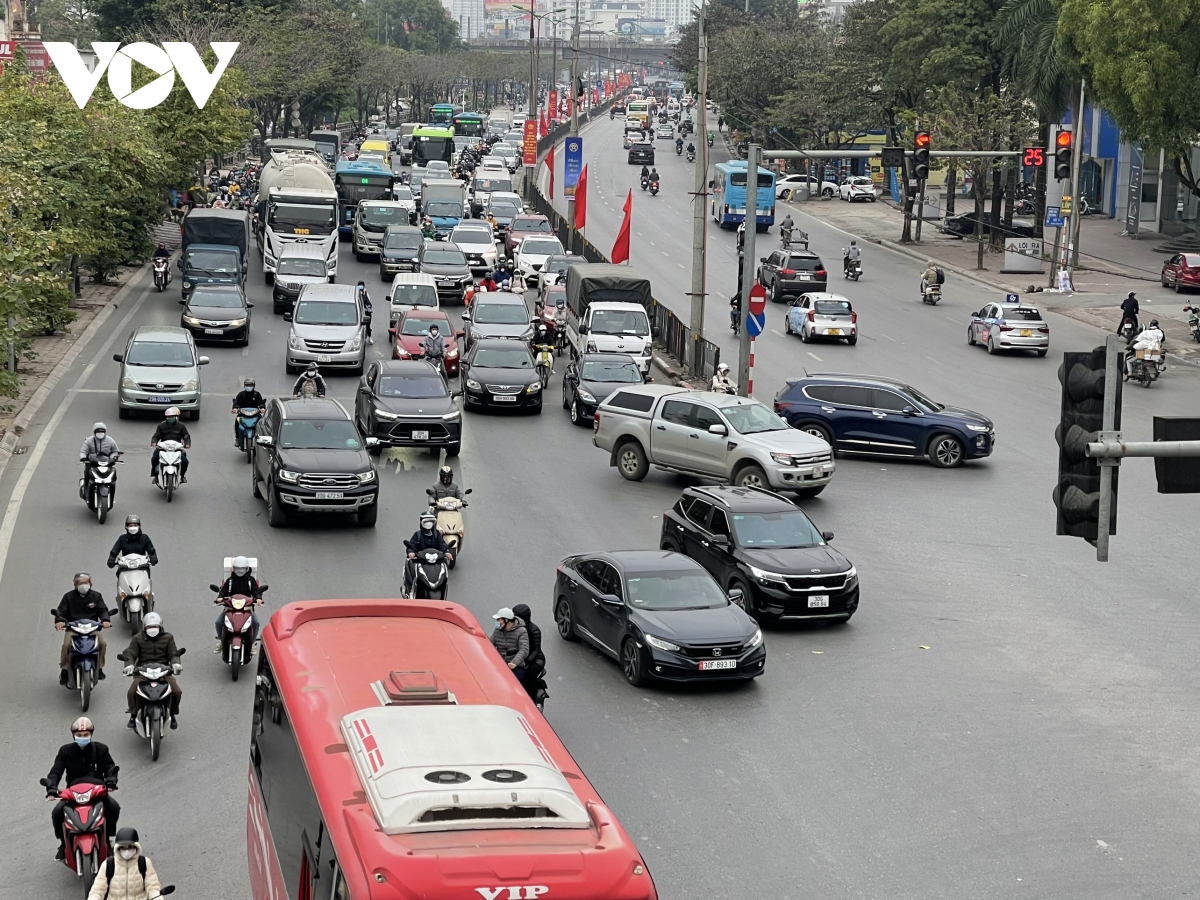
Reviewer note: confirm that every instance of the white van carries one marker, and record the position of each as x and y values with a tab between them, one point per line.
411	289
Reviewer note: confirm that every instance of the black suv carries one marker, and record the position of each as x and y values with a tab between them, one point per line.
792	273
641	154
309	458
760	543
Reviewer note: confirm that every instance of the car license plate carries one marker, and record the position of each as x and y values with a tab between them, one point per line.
1026	332
330	495
420	435
214	330
707	665
817	601
160	399
834	330
504	398
324	358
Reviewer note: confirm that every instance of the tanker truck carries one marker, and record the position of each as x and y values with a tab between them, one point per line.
296	202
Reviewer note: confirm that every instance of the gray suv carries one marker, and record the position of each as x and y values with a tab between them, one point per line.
328	328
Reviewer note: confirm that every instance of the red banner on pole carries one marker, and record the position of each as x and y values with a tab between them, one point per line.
552	102
529	145
620	251
581	201
550	169
543	128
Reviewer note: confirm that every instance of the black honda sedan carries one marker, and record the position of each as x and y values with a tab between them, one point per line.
498	373
218	313
659	614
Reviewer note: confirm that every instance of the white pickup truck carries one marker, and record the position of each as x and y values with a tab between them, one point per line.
710	435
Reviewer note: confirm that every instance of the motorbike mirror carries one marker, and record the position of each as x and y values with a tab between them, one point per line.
216	589
53	611
121	656
287	317
44	782
467	491
182	302
263	588
113	612
182	650
169	889
429	491
827	535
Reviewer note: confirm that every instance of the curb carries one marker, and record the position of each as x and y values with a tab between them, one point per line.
34	404
661	364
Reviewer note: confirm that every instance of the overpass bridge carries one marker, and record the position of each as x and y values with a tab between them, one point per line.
608	48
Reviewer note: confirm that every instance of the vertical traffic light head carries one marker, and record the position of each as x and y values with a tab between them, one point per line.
921	144
1062	155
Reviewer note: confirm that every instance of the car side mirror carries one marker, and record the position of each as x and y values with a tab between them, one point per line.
264	440
827	535
249	306
720	540
583	329
182	302
762	259
287	316
215	588
611	600
717	428
910	411
735	594
466	317
118	357
371	442
202	361
460	334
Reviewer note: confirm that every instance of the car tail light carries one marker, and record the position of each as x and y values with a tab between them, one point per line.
596	421
1044	329
821	272
1006	328
854	318
787	271
812	315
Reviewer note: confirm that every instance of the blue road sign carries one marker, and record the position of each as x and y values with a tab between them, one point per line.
1054	217
572	164
755	325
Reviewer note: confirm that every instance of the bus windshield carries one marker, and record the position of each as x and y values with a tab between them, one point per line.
441	114
469	125
430	147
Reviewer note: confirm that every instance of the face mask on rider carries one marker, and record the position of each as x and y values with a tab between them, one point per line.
128	852
132	529
82	740
152	631
83	587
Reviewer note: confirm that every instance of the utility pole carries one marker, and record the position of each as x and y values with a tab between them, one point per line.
700	198
749	265
574	118
1076	160
532	98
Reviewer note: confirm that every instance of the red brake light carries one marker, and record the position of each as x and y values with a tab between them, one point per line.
787	271
812	315
1044	329
1006	328
821	272
596	421
854	318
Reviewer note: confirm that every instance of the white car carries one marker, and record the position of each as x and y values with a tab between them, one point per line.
402	195
508	154
858	187
531	255
822	315
507	197
665	130
493	163
437	166
478	244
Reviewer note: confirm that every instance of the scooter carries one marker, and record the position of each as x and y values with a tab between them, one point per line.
645	182
83	658
247	425
237	641
162	272
1194	321
135	596
449	521
430	576
560	338
101	484
1127	330
932	294
170	466
679	149
1146	365
691	156
84	842
853	269
154	690
653	188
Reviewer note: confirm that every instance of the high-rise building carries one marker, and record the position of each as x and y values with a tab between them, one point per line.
608	15
674	12
469	15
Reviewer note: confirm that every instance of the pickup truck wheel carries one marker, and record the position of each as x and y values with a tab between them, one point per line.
564	620
751	476
632	462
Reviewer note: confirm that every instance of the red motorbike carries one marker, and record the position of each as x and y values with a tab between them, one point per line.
83	827
236	633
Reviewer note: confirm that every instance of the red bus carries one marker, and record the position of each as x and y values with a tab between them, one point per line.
394	757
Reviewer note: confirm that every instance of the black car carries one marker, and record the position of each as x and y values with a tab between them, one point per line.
883	417
406	403
641	154
964	226
591	378
448	265
497	314
309	458
217	313
498	374
659	614
503	211
787	273
760	543
399	250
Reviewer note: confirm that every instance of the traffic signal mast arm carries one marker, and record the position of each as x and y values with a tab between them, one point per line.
1119	449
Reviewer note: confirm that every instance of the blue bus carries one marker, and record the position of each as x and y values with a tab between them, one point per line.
728	204
360	180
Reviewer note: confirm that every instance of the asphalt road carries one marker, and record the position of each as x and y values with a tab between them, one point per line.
1045	742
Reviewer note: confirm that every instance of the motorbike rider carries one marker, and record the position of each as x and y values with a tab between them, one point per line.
99	444
247	398
691	149
645	177
313	374
735	311
1150	338
560	313
368	309
929	277
488	284
81	603
170	429
152	645
428	232
445	486
851	254
1129	310
240	581
134	540
678	145
424	538
161	251
535	664
721	382
511	640
82	760
128	874
654	175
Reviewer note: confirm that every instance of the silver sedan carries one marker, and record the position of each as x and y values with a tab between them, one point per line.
1009	326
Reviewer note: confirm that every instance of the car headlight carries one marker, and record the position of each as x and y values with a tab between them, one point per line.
191	320
591	347
754	641
473	385
236	323
366	477
659	643
291	477
585	396
533	388
128	384
354	344
764	575
192	384
188	285
384	414
294	342
984	428
784	459
452	353
647	350
449	417
852	577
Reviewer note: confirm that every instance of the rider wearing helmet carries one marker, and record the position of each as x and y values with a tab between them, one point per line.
535	662
83	761
99	444
511	640
161	251
368	309
427	230
445	486
241	581
311	374
1129	310
170	429
247	398
81	603
152	645
433	345
424	538
721	382
134	540
128	874
852	254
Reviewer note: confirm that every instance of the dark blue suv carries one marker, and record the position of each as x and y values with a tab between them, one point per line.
880	416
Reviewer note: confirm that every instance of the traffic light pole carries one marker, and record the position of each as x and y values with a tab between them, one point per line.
749	267
1112	372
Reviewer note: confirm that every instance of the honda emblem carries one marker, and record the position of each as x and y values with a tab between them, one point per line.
716	651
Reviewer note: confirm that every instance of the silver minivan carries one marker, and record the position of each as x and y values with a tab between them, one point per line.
328	328
159	369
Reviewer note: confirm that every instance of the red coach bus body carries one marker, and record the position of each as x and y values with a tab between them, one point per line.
394	757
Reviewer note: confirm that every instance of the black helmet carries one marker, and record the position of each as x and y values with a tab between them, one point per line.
1154	323
445	475
126	836
1132	296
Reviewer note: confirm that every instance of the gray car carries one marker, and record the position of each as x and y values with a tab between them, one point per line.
1009	326
328	328
448	265
497	314
159	369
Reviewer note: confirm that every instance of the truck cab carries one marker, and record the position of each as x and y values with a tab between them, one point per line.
210	264
606	312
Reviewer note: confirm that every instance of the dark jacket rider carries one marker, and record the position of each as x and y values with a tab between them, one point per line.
134	540
310	374
83	761
170	429
445	486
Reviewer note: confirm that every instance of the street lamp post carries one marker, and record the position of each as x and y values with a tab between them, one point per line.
533	77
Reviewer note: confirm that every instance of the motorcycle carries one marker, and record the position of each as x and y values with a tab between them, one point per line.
83	657
932	294
535	687
247	425
155	692
162	272
449	521
1194	321
430	575
691	156
236	642
100	485
853	269
1127	330
645	182
679	149
438	360
612	114
653	188
170	466
1146	365
735	321
135	596
85	844
560	338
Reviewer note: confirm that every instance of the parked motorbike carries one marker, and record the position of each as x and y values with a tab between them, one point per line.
135	596
1194	321
653	188
162	273
85	844
449	521
430	576
83	657
100	485
155	692
236	635
247	425
170	466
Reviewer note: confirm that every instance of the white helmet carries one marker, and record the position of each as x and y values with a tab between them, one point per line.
723	369
173	411
152	620
241	565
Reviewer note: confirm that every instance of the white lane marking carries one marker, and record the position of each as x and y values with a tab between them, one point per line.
246	350
665	253
778	332
890	338
681	265
932	360
814	356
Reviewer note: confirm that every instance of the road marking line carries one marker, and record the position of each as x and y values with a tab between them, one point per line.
814	356
681	265
778	332
890	338
932	360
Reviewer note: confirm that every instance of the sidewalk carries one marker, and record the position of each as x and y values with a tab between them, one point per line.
1111	265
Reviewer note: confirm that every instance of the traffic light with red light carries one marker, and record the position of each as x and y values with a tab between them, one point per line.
1062	155
921	155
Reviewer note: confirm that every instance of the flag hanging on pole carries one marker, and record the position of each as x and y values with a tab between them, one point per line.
620	251
550	169
581	200
543	128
